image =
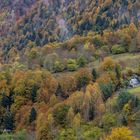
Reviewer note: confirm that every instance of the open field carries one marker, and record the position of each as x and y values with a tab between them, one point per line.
127	60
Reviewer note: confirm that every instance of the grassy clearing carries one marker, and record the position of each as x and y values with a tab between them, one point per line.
127	60
135	91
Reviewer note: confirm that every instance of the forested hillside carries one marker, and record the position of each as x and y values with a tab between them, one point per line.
45	21
69	69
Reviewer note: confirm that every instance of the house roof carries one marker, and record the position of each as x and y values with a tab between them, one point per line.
134	81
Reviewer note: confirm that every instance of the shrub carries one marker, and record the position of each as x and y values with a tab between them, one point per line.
105	49
66	134
17	136
107	90
109	121
92	133
50	60
83	77
108	65
72	65
81	61
118	49
83	81
33	53
125	97
60	114
58	67
97	42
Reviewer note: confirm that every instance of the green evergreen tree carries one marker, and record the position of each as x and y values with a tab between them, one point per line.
8	121
33	115
94	73
33	94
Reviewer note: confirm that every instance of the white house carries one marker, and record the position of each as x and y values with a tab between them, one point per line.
134	82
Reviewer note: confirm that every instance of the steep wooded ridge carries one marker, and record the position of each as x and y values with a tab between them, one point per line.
70	69
45	21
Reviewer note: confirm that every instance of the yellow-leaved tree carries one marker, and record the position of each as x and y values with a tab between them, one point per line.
121	133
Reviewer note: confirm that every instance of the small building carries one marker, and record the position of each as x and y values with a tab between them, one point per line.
134	82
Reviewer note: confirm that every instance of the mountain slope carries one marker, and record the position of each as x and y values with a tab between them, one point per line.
63	65
45	21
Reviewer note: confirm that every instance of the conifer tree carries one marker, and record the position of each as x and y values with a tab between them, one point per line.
8	121
33	115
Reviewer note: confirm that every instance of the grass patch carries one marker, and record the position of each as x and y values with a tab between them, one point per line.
127	60
135	91
17	136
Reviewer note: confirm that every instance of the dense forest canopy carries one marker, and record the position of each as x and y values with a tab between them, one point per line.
70	69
